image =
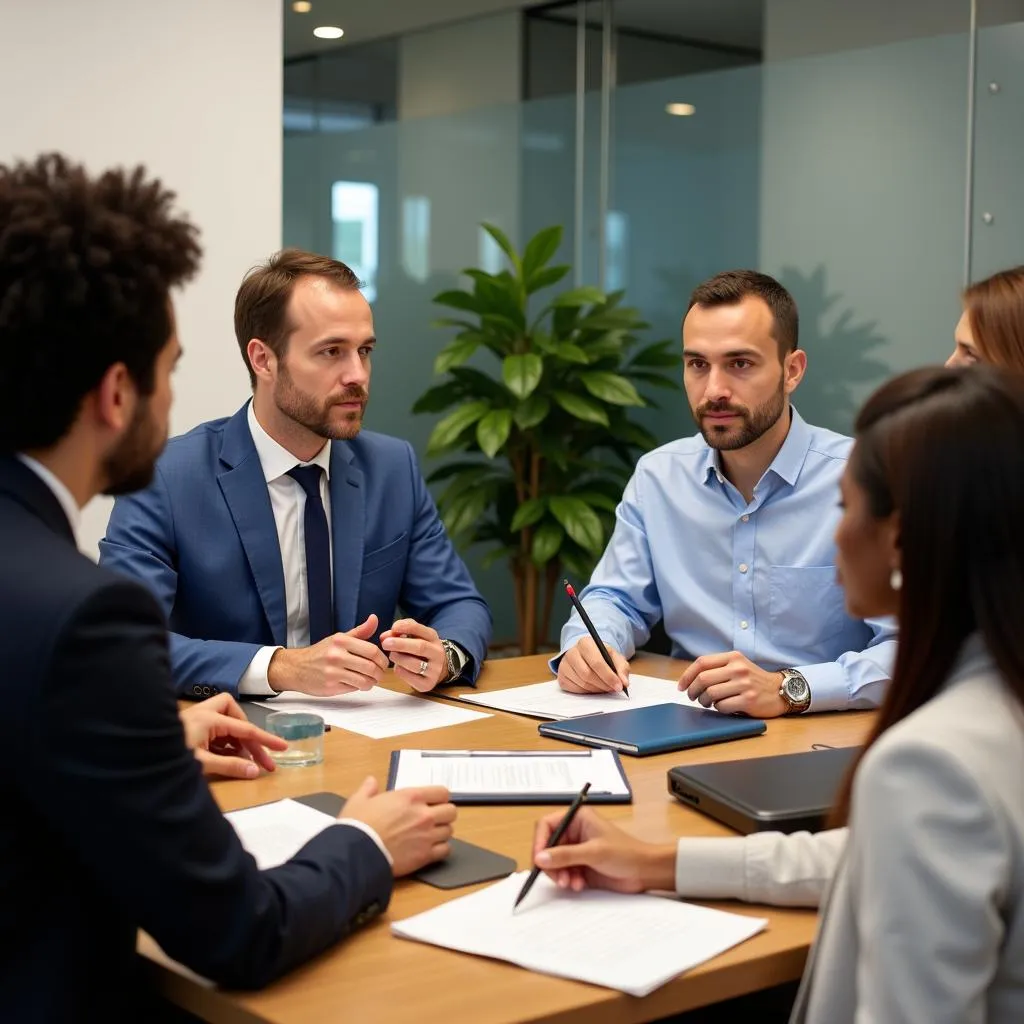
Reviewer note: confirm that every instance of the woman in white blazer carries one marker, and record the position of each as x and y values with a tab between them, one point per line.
924	917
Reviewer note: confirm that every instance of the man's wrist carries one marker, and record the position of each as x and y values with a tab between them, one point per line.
279	670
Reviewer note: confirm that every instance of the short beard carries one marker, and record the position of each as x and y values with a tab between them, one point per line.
130	466
753	423
316	416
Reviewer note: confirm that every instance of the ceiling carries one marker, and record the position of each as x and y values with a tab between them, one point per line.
364	20
734	23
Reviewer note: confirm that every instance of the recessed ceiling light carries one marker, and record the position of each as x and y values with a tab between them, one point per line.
328	32
302	6
680	109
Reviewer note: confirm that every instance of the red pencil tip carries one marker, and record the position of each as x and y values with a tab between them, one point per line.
569	590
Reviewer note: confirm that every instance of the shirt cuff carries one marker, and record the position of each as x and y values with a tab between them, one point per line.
363	827
829	689
254	679
711	868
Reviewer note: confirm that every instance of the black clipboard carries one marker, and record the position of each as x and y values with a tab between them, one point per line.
506	799
466	864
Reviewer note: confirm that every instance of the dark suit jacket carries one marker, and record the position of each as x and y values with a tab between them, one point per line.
107	823
203	540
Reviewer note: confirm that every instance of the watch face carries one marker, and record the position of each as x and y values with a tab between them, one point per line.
797	689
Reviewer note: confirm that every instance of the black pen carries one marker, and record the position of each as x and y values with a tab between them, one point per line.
593	632
553	841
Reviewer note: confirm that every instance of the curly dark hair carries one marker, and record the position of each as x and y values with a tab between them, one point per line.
86	269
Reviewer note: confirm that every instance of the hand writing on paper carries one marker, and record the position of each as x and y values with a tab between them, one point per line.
409	644
595	854
583	670
224	741
341	663
733	684
414	824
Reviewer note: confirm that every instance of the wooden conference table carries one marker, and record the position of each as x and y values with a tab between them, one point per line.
372	976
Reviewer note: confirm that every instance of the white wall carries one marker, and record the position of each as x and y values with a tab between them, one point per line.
190	88
459	67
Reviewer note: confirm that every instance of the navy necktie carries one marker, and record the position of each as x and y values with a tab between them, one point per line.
318	554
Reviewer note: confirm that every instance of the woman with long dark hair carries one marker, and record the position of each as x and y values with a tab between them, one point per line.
924	920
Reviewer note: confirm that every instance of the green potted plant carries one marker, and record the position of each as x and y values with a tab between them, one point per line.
542	423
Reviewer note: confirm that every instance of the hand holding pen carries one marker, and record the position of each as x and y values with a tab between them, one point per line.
580	670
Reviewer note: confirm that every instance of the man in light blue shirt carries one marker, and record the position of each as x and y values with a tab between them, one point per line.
727	536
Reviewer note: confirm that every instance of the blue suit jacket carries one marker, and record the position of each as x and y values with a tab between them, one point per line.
202	538
108	824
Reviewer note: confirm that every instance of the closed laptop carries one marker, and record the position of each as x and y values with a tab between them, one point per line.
783	793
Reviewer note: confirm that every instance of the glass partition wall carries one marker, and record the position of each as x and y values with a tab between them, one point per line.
865	154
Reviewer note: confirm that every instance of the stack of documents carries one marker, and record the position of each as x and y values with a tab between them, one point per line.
549	701
631	943
274	833
377	713
513	776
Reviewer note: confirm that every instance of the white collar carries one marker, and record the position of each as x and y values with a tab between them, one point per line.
275	459
60	491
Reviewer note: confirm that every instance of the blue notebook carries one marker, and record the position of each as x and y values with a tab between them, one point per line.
652	730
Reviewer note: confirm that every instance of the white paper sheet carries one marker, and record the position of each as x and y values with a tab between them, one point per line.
631	943
274	833
377	713
549	701
527	773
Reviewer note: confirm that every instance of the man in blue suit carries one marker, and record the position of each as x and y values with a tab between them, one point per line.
280	540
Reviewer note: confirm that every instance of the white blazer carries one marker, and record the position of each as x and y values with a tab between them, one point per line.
924	922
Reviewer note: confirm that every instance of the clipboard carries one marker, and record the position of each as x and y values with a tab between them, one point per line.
609	759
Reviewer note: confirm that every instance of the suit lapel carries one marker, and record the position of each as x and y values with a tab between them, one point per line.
347	534
245	490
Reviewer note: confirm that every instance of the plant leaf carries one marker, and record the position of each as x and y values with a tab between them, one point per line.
522	373
570	353
545	278
496	556
492	431
611	388
579	520
452	426
528	513
504	244
580	407
540	249
458	299
656	355
585	296
532	411
438	398
637	435
595	499
477	384
455	353
546	542
455	468
465	510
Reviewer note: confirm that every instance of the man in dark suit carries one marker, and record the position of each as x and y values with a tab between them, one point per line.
108	824
280	540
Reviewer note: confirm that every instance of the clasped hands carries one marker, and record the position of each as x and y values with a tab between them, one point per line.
729	682
347	662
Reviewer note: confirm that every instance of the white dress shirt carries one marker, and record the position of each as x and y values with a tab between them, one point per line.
288	501
60	492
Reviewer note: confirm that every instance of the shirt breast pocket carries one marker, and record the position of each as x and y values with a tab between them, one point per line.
806	605
382	557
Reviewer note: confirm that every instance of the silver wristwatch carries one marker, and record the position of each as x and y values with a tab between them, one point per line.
795	691
456	657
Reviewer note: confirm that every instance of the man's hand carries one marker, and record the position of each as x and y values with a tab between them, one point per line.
409	645
583	670
595	854
225	742
734	685
414	824
342	663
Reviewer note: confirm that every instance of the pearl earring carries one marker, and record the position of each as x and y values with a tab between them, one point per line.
895	579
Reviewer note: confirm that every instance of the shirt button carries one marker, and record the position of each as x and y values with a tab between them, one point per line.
743	566
745	519
744	624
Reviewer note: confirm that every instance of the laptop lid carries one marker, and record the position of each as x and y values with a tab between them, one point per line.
782	793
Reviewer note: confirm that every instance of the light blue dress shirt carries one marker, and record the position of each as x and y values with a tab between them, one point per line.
757	578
